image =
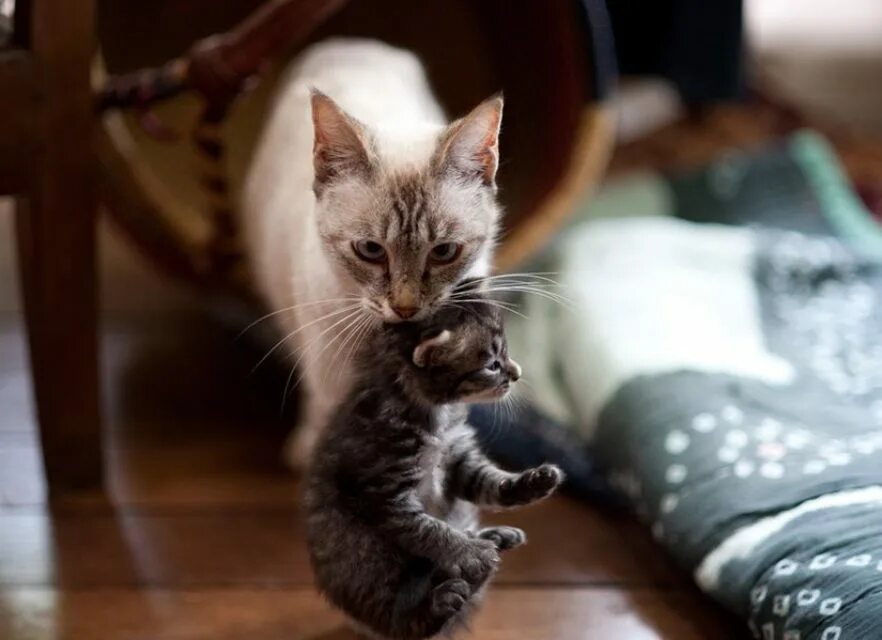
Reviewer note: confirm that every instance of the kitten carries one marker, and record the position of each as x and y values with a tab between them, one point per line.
362	206
392	490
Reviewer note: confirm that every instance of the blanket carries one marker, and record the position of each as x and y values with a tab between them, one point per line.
722	372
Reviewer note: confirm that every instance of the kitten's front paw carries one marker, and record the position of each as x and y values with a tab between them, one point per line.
531	485
476	563
449	597
504	538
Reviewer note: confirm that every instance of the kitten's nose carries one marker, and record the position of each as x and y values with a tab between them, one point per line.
514	370
404	312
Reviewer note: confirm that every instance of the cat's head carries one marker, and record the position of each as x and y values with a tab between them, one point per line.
404	226
459	354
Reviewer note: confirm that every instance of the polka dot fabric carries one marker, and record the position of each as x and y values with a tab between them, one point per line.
704	455
830	587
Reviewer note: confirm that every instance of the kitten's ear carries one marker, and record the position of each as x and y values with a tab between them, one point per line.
341	143
470	146
424	348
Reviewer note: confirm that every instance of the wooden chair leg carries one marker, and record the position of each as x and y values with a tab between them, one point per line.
56	244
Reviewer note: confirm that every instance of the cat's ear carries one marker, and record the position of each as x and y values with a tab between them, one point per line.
424	348
469	148
341	146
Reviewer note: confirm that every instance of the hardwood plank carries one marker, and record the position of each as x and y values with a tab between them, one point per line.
569	545
299	614
158	376
228	472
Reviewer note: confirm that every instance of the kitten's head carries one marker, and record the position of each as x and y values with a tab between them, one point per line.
459	354
404	230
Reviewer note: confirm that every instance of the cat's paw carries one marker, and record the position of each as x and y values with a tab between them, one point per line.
504	538
531	485
449	597
476	563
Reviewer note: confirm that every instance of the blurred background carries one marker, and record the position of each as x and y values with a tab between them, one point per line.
142	492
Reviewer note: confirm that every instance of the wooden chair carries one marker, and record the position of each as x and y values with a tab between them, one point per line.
47	161
52	159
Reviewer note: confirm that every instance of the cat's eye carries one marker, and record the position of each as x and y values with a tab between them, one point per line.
369	251
445	253
494	366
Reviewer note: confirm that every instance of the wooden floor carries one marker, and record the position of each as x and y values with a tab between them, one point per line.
201	539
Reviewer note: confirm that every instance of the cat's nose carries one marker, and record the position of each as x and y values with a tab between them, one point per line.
404	312
514	370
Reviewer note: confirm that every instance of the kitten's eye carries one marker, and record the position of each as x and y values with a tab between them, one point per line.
494	366
445	253
369	251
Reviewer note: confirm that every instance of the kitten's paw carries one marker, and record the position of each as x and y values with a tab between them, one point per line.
504	538
449	597
531	485
476	563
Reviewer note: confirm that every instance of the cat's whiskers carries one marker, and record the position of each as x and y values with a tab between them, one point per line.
542	286
538	286
494	425
305	349
345	333
294	307
552	298
517	402
503	407
351	340
505	306
527	391
538	277
332	314
354	348
314	361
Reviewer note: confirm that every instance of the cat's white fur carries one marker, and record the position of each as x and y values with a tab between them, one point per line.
384	88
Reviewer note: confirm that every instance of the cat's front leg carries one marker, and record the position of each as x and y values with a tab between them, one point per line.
529	486
475	478
459	555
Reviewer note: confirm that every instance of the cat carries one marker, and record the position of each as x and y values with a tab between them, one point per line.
363	206
392	490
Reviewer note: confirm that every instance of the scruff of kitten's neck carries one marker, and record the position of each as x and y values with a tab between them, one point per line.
406	191
387	363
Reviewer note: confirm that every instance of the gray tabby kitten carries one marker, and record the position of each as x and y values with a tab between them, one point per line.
394	488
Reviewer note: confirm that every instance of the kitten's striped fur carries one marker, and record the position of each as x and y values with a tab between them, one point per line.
393	488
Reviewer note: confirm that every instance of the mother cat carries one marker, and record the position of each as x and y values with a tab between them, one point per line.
362	206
